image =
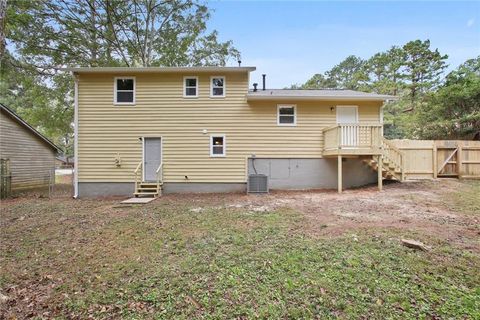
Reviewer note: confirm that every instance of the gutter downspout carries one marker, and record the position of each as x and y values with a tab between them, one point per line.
75	144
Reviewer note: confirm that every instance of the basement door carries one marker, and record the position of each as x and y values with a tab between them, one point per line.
152	157
347	116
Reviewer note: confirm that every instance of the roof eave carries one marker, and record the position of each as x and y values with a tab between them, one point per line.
322	98
32	129
157	69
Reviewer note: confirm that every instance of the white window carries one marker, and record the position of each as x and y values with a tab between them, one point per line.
217	87
124	91
217	145
190	87
286	115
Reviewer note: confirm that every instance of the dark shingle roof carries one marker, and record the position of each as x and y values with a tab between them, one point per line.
314	94
22	122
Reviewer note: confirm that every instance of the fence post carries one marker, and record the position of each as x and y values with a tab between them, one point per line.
435	160
49	183
5	178
459	159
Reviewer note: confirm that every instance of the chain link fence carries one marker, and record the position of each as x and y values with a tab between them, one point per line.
36	183
5	179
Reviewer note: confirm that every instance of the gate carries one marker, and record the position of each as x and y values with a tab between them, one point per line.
429	159
448	159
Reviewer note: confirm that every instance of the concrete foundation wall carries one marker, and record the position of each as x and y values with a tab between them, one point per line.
190	187
312	173
105	189
287	174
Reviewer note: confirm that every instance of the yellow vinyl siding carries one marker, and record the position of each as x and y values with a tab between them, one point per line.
161	111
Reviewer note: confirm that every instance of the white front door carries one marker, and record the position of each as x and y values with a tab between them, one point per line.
347	116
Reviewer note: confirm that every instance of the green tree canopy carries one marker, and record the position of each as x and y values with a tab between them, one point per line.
422	67
428	105
453	111
384	71
45	35
348	74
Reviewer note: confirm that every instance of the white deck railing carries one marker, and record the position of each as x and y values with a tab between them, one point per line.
353	136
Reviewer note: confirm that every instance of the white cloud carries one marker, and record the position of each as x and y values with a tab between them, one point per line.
470	22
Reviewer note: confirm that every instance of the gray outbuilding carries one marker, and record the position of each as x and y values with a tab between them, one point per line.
29	155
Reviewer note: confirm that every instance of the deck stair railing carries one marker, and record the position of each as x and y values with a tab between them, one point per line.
138	173
159	174
394	160
145	188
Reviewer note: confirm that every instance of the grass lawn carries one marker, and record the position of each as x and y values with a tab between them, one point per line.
205	256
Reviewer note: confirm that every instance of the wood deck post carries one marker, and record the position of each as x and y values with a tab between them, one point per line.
380	172
340	174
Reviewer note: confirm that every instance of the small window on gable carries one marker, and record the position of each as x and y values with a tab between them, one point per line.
125	90
217	146
190	87
286	115
217	87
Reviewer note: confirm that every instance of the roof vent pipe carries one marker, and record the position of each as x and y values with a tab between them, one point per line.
255	87
263	76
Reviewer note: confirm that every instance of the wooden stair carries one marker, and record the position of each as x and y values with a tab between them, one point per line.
389	170
148	189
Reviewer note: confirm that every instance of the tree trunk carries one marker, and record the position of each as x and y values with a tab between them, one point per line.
3	9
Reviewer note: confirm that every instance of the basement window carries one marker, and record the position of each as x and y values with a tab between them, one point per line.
124	91
217	87
190	87
286	115
217	146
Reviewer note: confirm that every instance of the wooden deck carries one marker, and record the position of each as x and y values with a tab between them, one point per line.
359	140
352	140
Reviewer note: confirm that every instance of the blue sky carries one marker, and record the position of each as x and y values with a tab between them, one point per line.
291	41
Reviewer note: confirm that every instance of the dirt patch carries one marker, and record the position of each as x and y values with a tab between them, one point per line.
424	206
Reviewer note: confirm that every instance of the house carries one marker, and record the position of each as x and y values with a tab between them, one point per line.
202	129
64	162
30	156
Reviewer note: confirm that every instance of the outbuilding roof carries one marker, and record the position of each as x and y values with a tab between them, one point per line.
22	122
157	69
313	94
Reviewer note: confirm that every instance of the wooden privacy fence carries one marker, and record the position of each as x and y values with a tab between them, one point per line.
429	159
